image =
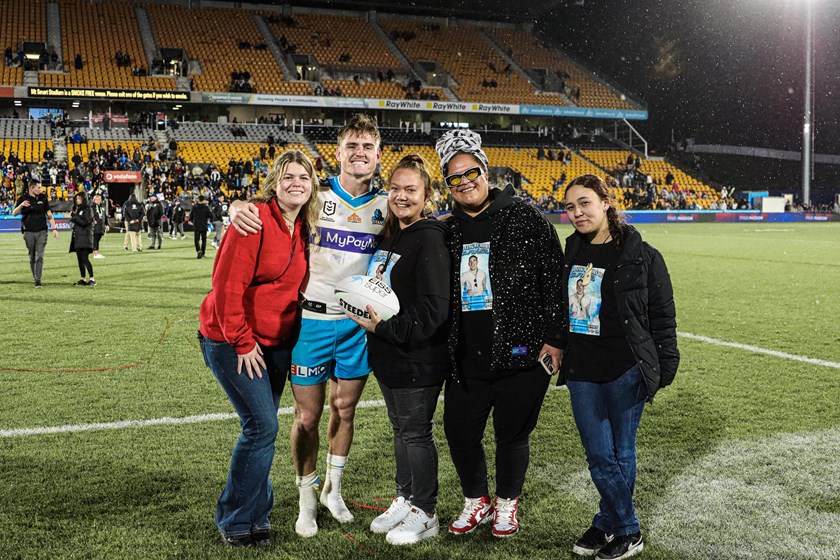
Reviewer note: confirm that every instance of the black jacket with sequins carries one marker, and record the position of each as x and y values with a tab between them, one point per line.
526	265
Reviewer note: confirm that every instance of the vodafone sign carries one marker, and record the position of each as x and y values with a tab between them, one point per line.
122	177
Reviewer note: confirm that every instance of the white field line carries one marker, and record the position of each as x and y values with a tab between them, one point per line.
201	418
759	350
166	421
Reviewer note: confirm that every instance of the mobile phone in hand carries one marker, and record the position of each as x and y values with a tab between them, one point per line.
547	363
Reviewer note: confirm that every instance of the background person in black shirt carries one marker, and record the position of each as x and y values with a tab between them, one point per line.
133	213
82	225
34	208
154	217
200	218
219	210
100	226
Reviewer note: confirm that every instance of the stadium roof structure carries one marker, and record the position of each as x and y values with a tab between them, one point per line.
498	10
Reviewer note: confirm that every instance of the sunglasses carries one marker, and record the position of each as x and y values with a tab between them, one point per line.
459	179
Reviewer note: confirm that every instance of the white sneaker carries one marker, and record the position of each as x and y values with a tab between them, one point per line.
99	256
476	512
416	527
396	512
505	517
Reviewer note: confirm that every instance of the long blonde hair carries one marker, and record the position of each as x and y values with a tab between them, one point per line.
311	209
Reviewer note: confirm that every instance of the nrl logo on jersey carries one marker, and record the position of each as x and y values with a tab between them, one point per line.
329	210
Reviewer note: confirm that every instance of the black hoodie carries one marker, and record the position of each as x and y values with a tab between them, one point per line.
409	349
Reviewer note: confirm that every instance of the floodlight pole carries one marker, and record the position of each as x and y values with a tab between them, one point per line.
807	127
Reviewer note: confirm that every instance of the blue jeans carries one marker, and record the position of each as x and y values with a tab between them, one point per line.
248	497
411	411
607	416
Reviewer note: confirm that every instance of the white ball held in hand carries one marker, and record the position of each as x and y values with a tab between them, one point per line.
355	293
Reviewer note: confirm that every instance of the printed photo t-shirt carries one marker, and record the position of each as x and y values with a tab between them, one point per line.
598	348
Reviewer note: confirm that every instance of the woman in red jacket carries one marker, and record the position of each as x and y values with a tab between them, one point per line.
248	324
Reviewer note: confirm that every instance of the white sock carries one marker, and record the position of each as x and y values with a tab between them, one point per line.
331	493
306	524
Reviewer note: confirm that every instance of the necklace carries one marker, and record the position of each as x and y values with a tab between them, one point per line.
289	224
587	274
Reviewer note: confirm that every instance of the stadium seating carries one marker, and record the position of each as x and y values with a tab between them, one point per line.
212	35
97	31
116	135
28	151
539	176
213	132
221	153
21	20
327	37
11	76
94	145
382	90
658	169
27	139
529	53
468	58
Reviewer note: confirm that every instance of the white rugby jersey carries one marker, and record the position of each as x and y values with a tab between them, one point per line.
349	231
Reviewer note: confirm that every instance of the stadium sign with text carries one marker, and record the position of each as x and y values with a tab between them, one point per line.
419	105
122	177
102	93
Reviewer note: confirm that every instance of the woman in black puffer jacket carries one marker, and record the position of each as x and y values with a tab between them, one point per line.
622	347
81	224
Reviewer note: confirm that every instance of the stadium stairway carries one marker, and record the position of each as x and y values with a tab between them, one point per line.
514	66
579	153
59	149
271	42
313	149
400	56
519	70
147	35
54	28
30	78
449	93
162	138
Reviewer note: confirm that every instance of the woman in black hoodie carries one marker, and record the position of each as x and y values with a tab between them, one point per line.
81	223
408	351
506	315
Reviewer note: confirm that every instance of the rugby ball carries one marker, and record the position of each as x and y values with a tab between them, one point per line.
355	293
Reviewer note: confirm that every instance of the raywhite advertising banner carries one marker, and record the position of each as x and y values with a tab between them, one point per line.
422	105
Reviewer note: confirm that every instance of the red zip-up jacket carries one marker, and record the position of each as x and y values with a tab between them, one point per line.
256	283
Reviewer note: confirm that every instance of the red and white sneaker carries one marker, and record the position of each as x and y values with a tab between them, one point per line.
505	518
476	511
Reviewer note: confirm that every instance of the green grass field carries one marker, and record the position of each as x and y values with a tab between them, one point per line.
740	458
